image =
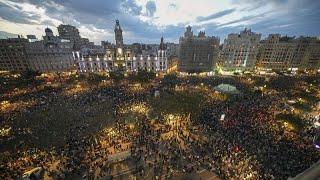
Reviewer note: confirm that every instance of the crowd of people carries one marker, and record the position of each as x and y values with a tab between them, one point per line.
248	143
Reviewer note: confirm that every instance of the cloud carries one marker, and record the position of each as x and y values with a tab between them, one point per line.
147	20
131	7
243	19
173	6
151	8
14	12
215	15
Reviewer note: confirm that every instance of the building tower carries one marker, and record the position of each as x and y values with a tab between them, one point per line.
162	45
162	57
48	32
118	35
188	33
49	39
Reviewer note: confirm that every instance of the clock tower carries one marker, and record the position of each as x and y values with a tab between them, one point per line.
118	35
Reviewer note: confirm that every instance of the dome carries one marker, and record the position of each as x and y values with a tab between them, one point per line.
48	30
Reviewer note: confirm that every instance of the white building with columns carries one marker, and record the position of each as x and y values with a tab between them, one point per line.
121	57
108	62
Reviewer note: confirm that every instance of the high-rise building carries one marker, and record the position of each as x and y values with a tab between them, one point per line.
118	35
197	53
240	50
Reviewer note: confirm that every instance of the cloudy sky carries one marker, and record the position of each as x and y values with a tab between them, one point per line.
146	20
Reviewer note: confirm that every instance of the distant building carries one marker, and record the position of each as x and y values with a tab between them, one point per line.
72	34
145	49
172	50
106	44
282	53
122	57
13	56
197	53
276	52
32	38
307	53
93	50
50	54
6	35
240	50
47	55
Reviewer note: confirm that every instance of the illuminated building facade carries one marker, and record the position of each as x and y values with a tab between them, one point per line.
197	53
121	57
240	50
48	55
282	53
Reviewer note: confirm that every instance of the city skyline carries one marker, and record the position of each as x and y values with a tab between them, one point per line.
145	21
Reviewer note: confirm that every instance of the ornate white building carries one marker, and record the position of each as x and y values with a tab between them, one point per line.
121	57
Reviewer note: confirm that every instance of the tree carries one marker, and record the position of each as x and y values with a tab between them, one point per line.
142	76
170	80
95	78
29	74
116	76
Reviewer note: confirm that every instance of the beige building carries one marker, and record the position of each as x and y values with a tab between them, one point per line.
197	53
240	50
307	53
282	53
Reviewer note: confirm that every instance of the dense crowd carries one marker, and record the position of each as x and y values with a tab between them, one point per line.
249	143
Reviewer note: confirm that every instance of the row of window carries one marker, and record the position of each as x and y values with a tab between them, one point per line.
110	68
129	64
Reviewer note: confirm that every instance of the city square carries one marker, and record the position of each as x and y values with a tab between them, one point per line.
74	128
160	90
